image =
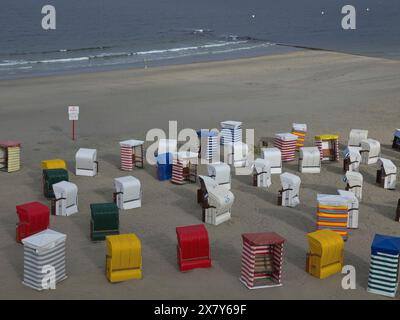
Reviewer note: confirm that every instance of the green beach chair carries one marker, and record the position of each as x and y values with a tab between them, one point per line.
104	220
50	177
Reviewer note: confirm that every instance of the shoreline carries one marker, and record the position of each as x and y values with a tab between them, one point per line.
123	68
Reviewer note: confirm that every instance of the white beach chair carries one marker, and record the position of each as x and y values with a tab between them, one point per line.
86	162
217	202
289	194
221	173
351	159
356	136
370	151
66	198
386	176
274	156
262	173
353	212
309	160
128	192
354	183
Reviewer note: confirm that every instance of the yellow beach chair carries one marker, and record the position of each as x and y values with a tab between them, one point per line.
326	253
124	257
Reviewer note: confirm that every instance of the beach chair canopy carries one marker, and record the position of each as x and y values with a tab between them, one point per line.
33	217
299	127
385	244
326	137
54	164
287	136
397	133
230	124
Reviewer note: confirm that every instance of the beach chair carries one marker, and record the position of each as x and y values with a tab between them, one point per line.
386	175
86	163
396	140
123	257
326	253
356	136
132	154
289	194
44	255
370	151
332	213
216	203
165	155
33	217
383	276
353	208
328	145
309	160
128	193
208	145
262	260
51	177
104	220
10	156
262	173
351	159
237	154
231	132
299	130
65	202
274	156
184	167
354	183
193	249
287	144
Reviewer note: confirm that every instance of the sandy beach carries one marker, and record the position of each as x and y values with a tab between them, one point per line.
331	92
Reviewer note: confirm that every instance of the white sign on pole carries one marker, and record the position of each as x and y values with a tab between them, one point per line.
73	112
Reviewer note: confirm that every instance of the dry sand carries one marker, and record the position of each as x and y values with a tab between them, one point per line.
330	92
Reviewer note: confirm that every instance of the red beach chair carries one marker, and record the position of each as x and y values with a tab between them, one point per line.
33	218
193	247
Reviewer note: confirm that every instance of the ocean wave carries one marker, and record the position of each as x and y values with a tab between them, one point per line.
156	54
